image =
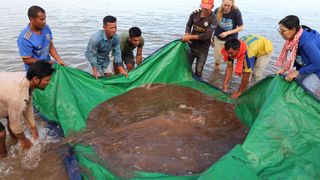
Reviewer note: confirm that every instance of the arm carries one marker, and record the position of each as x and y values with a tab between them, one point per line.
238	24
310	51
187	37
236	30
29	117
29	60
243	85
228	75
117	56
139	56
92	55
53	52
25	51
14	113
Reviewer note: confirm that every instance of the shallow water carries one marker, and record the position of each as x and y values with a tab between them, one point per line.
163	128
44	160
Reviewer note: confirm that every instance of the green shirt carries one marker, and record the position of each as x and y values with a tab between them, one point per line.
127	48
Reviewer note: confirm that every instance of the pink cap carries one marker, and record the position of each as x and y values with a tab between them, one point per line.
207	4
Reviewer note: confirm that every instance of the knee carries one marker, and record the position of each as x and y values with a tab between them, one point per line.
2	134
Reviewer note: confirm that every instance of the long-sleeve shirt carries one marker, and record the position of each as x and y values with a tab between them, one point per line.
308	56
15	100
203	27
99	48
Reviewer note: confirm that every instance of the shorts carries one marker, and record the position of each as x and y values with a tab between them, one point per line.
128	58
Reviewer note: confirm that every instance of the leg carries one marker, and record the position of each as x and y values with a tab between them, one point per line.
10	131
3	147
129	61
191	58
201	61
259	66
218	45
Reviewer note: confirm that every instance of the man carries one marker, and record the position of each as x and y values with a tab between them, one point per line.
128	43
201	25
100	45
35	42
16	102
252	53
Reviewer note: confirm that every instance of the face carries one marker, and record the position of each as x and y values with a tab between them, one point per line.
42	83
226	6
207	11
287	34
39	22
135	41
110	29
233	52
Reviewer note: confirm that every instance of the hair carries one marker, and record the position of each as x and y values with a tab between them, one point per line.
220	10
233	43
109	19
291	22
33	11
39	69
134	32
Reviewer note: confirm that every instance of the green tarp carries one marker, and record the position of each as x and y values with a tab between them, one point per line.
284	121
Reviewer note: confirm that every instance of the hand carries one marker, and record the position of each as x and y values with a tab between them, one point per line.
186	38
95	73
281	71
235	95
292	75
61	63
224	34
51	62
122	71
34	133
225	87
212	42
25	144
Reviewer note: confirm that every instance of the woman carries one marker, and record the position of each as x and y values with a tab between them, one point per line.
229	24
304	45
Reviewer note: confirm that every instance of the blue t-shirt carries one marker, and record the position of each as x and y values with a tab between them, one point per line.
34	45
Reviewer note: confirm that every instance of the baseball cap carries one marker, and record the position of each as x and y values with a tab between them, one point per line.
207	4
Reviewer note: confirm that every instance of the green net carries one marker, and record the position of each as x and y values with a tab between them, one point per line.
284	121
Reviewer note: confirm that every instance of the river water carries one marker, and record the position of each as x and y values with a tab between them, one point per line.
72	22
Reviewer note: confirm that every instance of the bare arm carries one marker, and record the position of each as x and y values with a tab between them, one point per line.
29	60
243	85
139	56
228	75
236	30
53	52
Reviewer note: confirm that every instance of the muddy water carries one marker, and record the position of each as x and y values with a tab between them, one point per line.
163	128
44	160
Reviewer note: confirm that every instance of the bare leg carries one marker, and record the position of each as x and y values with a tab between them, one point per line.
10	132
3	147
